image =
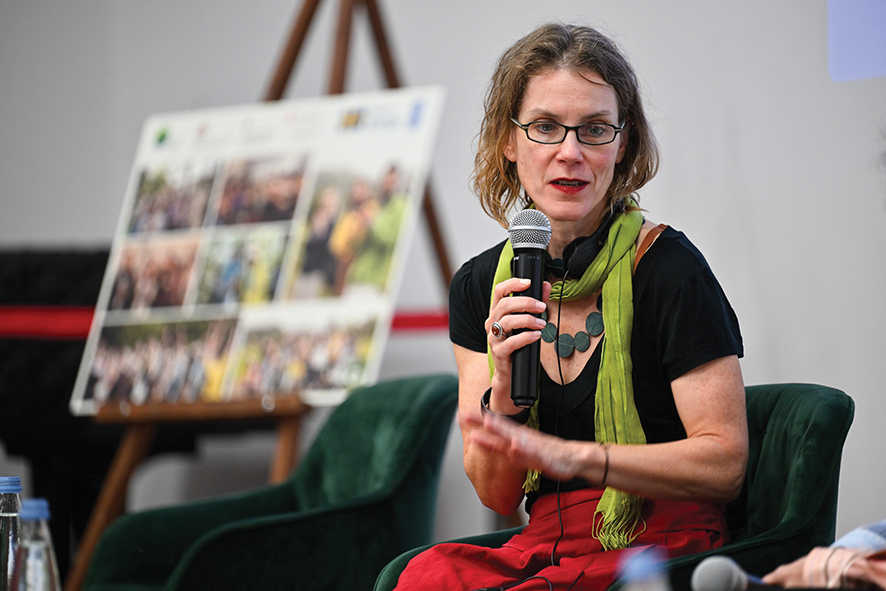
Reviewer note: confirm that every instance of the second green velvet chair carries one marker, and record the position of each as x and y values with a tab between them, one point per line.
365	492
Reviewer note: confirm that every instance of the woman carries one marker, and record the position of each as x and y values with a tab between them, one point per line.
639	435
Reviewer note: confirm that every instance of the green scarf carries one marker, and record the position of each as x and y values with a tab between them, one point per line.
615	419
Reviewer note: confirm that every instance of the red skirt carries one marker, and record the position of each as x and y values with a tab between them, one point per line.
679	527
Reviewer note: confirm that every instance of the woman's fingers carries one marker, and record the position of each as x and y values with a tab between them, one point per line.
523	446
503	304
511	324
507	287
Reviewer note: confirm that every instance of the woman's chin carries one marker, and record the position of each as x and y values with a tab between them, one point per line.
572	213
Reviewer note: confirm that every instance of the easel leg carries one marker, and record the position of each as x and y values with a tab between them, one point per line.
286	454
437	238
381	43
112	500
290	53
342	44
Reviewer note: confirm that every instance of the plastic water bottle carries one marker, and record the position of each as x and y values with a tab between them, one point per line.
35	566
10	510
644	569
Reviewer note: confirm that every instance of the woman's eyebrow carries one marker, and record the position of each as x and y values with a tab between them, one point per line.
542	112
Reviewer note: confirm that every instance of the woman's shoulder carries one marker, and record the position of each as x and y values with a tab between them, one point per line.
480	269
469	295
672	255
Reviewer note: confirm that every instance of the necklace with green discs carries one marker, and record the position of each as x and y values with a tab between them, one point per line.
580	341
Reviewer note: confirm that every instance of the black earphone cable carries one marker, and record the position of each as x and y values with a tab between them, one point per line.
557	418
562	385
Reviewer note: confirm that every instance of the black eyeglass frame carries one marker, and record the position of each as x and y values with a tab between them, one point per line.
568	128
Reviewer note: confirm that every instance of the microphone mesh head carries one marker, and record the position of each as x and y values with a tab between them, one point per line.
530	228
718	573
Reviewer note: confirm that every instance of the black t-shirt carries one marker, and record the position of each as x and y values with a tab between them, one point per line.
682	320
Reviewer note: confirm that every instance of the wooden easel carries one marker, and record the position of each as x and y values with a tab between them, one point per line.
142	421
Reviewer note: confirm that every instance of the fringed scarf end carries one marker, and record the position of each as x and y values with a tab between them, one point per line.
531	483
619	517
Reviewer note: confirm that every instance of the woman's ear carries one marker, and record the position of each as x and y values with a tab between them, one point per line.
622	143
510	150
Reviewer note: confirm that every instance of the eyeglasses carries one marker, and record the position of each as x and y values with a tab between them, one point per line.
589	134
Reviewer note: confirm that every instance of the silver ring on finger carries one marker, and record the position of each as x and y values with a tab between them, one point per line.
497	331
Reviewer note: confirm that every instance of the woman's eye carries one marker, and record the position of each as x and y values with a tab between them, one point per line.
546	127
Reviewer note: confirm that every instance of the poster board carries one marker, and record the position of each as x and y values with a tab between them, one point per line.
259	251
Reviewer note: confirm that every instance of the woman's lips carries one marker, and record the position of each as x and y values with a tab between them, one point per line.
569	185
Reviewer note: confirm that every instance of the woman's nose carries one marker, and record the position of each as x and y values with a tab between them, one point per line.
570	148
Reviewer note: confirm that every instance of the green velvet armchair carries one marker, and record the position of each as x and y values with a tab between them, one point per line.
365	492
788	503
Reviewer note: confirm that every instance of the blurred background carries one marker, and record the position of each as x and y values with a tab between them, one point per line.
771	117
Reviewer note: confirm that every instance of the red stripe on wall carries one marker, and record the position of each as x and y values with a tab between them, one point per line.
47	322
409	321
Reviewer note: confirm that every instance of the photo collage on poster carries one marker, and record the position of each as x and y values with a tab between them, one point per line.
259	251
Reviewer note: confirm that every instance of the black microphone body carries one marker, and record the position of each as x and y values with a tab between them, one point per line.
528	264
529	233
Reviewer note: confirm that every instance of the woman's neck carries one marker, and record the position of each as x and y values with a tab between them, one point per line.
563	233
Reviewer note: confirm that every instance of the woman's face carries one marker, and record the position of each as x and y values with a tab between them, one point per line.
567	181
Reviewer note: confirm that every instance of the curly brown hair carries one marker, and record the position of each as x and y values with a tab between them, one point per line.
550	47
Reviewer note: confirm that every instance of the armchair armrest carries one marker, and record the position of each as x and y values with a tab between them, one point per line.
147	545
757	555
296	550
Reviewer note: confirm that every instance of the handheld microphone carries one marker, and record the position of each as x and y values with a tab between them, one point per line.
721	573
529	232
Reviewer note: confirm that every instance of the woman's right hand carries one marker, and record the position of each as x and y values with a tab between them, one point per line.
511	313
498	483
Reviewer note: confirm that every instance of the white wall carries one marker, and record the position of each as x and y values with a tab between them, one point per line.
773	169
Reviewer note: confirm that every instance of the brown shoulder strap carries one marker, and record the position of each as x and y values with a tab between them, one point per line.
647	242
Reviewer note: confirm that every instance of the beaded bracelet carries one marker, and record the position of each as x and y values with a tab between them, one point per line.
521	417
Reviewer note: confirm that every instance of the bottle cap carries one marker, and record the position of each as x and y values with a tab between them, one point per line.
34	509
10	484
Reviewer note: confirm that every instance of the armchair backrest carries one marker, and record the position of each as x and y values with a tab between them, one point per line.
375	438
796	436
789	501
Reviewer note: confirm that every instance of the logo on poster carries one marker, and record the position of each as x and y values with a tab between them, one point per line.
415	116
374	118
162	136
